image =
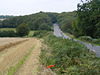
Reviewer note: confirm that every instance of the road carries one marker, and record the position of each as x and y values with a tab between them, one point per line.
59	33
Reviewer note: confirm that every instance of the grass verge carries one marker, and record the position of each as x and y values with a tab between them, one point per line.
86	39
69	57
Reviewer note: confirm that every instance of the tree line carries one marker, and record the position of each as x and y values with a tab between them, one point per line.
40	21
83	22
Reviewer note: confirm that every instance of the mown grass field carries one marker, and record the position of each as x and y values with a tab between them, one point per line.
14	57
7	29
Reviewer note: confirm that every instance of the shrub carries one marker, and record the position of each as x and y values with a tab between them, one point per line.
96	41
22	30
40	33
44	27
70	58
85	38
9	33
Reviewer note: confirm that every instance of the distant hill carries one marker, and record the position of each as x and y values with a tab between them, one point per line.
39	21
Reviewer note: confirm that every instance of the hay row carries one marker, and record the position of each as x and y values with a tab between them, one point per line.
11	44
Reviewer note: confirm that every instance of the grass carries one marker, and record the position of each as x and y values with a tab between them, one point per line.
70	58
31	33
89	39
41	33
13	69
7	29
70	35
92	41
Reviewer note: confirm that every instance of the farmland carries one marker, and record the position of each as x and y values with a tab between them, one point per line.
12	58
4	41
7	29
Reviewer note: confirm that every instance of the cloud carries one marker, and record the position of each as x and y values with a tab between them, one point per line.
22	7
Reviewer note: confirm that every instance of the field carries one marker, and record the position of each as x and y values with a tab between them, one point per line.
14	29
15	60
4	41
7	29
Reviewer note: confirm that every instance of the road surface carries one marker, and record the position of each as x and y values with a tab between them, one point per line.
59	33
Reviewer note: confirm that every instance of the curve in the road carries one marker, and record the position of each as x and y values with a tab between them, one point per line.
59	33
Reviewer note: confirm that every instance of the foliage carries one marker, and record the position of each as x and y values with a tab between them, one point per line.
96	41
9	33
90	40
42	21
31	33
34	21
88	21
70	58
22	30
44	27
40	33
85	38
53	16
65	20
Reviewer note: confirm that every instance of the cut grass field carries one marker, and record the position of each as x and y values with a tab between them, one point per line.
9	42
12	59
7	29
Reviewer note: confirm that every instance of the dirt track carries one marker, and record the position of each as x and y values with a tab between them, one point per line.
11	56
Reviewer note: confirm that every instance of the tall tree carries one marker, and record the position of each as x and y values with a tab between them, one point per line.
88	18
22	30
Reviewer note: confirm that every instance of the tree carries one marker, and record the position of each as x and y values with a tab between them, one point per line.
65	20
44	27
88	18
22	30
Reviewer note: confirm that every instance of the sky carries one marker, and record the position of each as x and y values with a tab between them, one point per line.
25	7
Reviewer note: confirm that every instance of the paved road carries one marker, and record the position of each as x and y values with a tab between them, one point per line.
59	33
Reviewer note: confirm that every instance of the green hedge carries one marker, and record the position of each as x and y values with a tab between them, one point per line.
40	33
9	33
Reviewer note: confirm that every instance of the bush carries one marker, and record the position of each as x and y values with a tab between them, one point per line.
86	38
9	33
22	30
44	27
96	41
70	58
40	34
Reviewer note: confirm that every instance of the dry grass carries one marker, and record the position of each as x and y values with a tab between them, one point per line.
11	56
9	42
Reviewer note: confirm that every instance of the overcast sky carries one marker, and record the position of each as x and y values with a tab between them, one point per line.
25	7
